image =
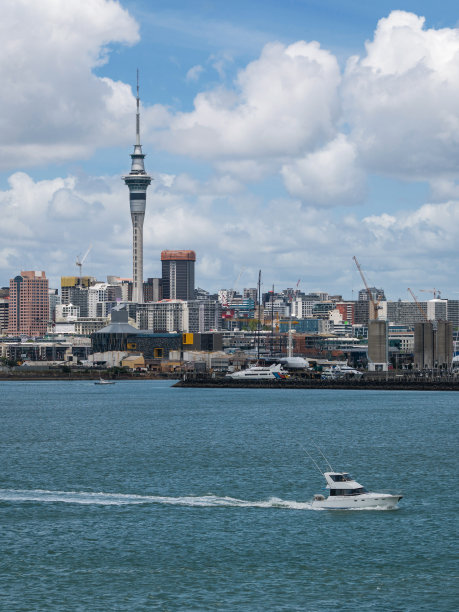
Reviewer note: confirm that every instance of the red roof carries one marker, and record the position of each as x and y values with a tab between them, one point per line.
178	256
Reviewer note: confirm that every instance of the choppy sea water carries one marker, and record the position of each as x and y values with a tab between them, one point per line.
139	496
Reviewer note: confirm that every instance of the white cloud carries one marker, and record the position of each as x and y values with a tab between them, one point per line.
194	73
283	238
68	206
400	99
443	189
329	176
289	114
282	103
52	106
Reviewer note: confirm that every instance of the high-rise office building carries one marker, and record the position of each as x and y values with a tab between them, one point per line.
54	300
178	274
137	180
153	290
29	304
4	309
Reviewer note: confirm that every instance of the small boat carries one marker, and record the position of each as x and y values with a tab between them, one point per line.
102	381
340	371
274	372
345	493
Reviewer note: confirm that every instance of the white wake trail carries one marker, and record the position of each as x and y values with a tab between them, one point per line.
119	499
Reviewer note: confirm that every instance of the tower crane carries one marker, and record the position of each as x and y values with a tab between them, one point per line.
421	310
79	263
232	291
374	306
436	292
296	288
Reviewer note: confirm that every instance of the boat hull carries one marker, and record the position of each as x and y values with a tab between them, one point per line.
365	501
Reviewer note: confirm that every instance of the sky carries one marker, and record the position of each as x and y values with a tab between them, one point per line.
285	137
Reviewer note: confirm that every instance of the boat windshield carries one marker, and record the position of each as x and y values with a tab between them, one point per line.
358	491
340	477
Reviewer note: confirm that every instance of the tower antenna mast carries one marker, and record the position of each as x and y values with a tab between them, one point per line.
137	116
137	180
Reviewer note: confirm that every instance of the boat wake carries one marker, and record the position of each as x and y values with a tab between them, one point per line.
119	499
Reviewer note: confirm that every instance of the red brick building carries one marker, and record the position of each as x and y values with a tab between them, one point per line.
28	311
347	310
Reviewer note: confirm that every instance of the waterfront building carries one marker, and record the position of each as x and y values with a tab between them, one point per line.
377	346
4	308
250	293
276	307
153	290
138	181
54	300
322	310
362	312
75	292
205	315
178	274
453	312
241	308
433	348
68	282
302	307
28	312
444	345
424	345
306	326
180	316
437	310
401	336
97	293
377	295
164	316
347	310
66	313
124	285
85	326
119	335
223	295
343	329
410	313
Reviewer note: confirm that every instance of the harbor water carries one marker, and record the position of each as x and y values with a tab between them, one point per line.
142	496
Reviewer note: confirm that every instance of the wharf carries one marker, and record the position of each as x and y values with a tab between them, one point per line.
380	384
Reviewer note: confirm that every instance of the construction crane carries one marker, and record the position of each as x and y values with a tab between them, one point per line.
421	310
231	292
79	263
374	306
436	292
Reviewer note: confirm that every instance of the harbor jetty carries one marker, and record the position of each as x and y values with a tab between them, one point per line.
389	383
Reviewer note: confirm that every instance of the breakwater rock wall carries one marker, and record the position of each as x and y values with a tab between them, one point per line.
395	384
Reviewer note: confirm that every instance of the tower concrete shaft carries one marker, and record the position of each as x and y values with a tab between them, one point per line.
138	181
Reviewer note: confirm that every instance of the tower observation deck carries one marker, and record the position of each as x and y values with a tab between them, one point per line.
137	180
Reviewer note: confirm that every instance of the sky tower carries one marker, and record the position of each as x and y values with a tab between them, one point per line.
137	180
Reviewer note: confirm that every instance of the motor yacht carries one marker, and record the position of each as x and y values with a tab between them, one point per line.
274	372
345	493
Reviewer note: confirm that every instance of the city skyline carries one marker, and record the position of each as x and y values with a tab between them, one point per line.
282	140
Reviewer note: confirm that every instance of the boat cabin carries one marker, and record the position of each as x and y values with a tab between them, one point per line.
341	483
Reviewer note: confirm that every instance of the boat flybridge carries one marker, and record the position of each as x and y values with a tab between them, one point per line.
345	493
